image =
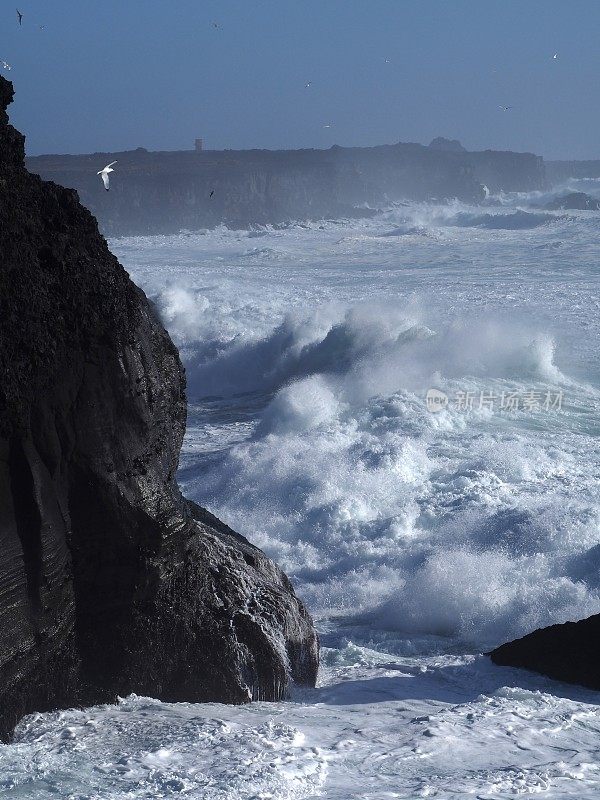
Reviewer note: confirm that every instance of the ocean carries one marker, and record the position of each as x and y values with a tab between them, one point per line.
403	412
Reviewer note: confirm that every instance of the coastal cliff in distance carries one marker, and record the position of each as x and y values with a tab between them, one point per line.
110	581
165	192
558	172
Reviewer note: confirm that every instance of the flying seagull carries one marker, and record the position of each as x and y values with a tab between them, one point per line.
329	125
555	56
308	85
505	108
104	172
19	17
5	65
212	192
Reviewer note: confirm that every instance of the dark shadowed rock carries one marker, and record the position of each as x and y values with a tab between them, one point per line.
110	582
569	652
573	200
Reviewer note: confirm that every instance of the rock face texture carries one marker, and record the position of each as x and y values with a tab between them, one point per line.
569	652
168	192
111	582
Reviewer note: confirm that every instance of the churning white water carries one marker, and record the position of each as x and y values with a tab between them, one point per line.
419	535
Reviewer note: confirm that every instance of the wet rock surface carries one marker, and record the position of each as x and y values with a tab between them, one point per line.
579	201
110	581
568	652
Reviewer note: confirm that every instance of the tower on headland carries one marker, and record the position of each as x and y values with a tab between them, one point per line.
199	145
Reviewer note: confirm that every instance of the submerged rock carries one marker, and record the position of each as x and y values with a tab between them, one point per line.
110	581
568	652
577	201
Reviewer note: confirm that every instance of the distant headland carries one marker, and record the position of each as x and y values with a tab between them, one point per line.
165	192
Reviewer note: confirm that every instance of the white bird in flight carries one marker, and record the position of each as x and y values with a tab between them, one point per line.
555	56
5	65
104	173
505	108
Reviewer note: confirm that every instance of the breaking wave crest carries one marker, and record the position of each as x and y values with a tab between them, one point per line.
452	524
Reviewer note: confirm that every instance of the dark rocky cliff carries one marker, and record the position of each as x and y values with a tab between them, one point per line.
168	192
568	652
110	582
505	171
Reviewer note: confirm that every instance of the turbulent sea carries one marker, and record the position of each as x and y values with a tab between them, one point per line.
419	535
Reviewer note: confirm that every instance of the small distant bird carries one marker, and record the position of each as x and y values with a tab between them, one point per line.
212	192
308	85
216	25
42	27
19	17
555	56
387	61
505	108
5	65
104	173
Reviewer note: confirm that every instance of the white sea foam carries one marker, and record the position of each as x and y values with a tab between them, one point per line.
467	524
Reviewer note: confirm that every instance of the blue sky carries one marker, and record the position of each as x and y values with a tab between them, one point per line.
118	75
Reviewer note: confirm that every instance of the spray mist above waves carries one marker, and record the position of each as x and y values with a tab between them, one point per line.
384	513
477	526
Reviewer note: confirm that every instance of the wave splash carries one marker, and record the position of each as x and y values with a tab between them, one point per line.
452	524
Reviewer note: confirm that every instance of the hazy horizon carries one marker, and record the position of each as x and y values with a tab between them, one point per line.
113	78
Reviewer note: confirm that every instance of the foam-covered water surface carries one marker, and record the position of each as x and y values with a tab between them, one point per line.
380	725
403	412
309	360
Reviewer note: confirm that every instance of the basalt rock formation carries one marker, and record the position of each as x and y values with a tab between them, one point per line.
173	191
568	652
110	581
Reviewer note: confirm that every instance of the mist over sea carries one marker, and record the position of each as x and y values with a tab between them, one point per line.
419	539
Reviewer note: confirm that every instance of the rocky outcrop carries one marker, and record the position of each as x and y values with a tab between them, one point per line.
110	582
579	201
449	145
568	652
168	192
